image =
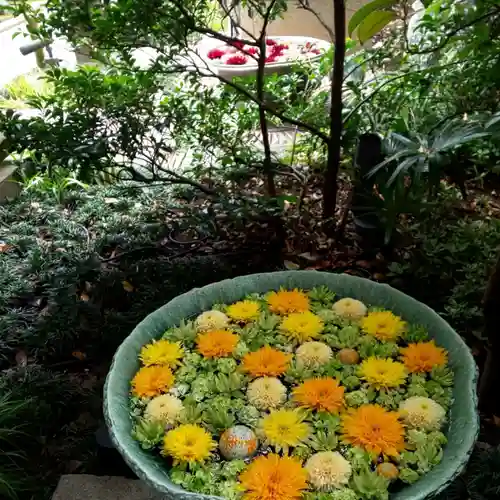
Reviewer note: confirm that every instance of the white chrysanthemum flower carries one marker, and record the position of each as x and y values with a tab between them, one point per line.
313	354
422	413
328	470
211	320
350	308
165	409
266	392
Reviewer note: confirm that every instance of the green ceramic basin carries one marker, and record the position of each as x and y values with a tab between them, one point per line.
463	428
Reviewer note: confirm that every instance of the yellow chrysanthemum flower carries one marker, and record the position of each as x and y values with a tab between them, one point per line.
165	409
322	394
350	309
211	320
422	357
188	443
284	428
266	392
422	413
285	302
244	311
328	470
273	477
150	381
374	429
266	362
313	354
382	373
383	324
217	344
302	326
162	352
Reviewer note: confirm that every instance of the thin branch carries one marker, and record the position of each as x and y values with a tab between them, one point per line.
450	35
304	4
365	61
271	187
398	77
228	13
207	31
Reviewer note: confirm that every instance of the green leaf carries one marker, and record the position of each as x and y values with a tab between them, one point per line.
361	14
374	23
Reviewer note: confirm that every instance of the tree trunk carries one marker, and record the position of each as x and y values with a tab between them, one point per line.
334	143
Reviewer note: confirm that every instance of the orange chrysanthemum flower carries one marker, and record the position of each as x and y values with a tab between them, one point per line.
151	381
374	429
266	362
320	394
285	302
217	343
423	356
273	477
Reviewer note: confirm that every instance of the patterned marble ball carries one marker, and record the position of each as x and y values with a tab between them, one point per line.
238	442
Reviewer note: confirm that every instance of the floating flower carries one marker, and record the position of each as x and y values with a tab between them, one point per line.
211	320
382	373
374	429
350	308
313	354
270	59
301	326
284	428
273	477
252	50
162	352
237	44
422	413
328	470
348	356
323	394
284	302
215	53
423	356
165	409
150	381
270	41
278	49
266	362
266	392
217	344
238	442
235	59
387	470
188	443
383	324
245	310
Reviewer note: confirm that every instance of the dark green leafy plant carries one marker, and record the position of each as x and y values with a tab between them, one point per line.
425	156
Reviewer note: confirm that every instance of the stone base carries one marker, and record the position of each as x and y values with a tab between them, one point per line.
8	187
86	487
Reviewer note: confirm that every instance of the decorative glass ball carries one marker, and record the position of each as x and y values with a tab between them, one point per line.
238	442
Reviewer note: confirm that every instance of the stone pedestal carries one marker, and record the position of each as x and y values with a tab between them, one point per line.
298	22
86	487
8	187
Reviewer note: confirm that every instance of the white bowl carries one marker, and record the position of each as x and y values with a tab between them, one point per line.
231	71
